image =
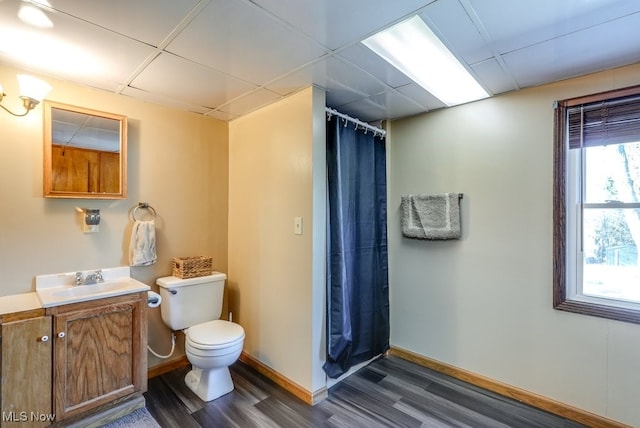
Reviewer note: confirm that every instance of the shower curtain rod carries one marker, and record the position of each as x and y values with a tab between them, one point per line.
358	123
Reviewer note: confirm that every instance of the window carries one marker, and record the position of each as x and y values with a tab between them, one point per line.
597	205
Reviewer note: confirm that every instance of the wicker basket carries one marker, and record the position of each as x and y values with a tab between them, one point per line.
191	267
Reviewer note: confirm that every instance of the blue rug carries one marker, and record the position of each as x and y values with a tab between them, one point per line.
140	418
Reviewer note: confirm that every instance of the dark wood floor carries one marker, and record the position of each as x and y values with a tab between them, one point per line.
390	392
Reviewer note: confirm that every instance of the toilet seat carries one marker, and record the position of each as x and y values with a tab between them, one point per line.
214	334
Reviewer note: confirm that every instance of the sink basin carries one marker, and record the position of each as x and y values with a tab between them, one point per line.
85	290
57	289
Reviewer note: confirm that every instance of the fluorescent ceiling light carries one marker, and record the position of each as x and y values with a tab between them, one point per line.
415	50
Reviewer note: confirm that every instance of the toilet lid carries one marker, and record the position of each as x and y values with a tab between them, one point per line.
214	333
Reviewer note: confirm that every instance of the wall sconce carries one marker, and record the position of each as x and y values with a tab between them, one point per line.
32	91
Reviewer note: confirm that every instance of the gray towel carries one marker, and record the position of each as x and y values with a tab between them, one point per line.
434	216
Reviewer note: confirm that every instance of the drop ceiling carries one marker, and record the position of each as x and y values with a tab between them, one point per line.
226	58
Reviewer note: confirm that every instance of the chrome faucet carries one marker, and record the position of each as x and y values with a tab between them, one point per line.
78	280
90	278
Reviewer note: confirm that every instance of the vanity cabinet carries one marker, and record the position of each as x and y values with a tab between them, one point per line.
99	352
25	369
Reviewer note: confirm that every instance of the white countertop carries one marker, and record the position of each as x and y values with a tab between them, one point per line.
19	303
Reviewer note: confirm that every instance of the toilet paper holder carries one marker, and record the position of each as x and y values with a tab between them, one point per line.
153	299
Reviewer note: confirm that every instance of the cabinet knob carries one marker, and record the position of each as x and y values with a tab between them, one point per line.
44	338
61	334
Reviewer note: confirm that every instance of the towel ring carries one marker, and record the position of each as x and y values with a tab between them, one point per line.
143	206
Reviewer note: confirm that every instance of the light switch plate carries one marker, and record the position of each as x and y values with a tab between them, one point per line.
297	225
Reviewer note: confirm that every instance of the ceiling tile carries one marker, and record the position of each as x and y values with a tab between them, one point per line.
511	26
72	49
338	95
388	105
363	110
336	23
250	102
366	59
578	53
92	81
186	81
421	96
342	81
451	22
130	18
395	105
493	77
167	101
221	115
240	39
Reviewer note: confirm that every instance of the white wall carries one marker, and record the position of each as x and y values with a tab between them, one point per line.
484	303
276	165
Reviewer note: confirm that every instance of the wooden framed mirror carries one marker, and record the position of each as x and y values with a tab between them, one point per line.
85	153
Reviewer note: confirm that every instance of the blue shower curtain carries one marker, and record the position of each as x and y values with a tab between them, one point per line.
357	267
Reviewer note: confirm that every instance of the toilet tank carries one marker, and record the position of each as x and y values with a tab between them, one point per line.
191	301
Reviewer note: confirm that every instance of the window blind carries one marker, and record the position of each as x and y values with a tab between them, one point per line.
612	121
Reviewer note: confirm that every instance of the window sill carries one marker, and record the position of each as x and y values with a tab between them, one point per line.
599	310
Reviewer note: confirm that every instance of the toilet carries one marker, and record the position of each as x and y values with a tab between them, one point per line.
194	305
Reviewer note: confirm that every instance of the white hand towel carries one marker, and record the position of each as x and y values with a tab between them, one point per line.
142	251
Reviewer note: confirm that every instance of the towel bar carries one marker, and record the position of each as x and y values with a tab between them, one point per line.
143	206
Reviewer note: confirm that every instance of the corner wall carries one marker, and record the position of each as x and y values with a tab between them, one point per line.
484	303
276	288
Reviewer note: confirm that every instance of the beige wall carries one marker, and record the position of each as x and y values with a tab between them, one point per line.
178	162
273	292
484	303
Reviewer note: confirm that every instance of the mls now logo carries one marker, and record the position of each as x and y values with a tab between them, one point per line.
27	417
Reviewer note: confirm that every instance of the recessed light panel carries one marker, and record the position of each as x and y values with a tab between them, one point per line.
415	50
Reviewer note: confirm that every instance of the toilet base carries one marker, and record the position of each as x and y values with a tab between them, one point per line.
209	384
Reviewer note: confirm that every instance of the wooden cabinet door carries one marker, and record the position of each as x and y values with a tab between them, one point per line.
99	352
84	171
109	172
74	170
26	373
